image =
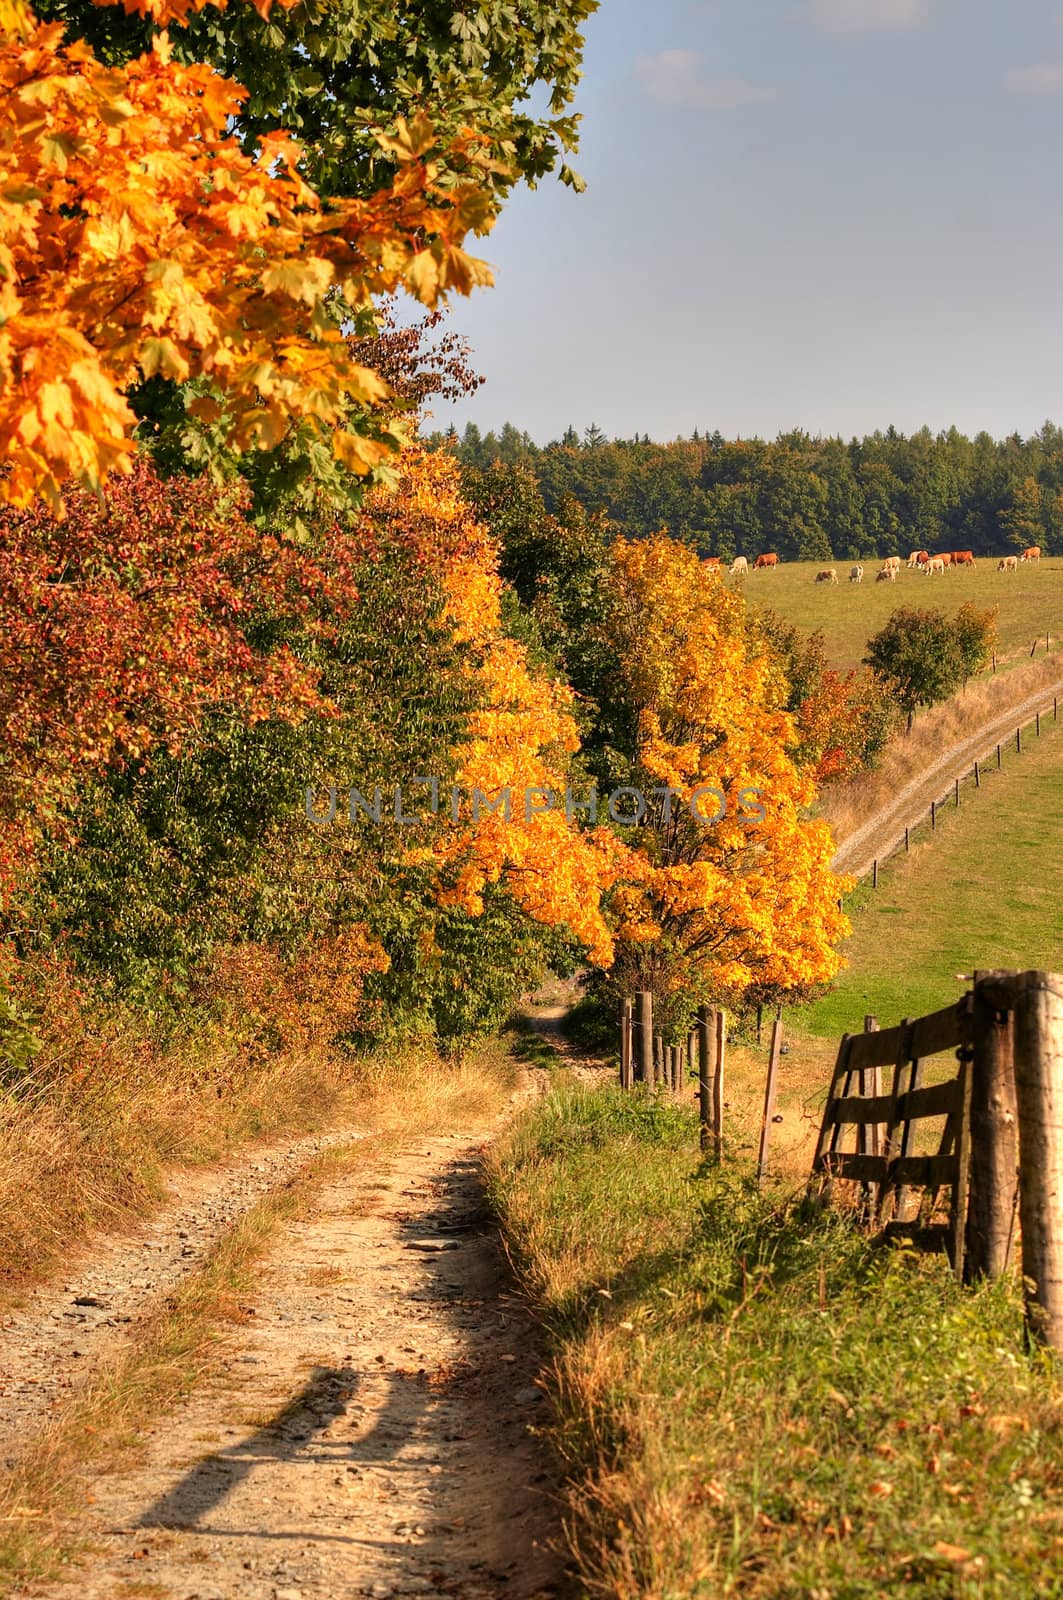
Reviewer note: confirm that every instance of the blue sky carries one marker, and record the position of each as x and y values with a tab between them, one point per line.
824	214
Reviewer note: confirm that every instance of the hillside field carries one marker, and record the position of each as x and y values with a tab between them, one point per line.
985	891
1030	600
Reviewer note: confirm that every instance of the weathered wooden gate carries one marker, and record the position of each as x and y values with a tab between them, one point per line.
884	1162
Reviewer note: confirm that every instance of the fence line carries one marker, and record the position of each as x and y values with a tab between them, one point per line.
903	840
1001	1151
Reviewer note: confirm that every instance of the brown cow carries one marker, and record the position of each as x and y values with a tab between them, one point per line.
769	560
945	558
962	558
892	564
712	561
828	575
918	558
1033	553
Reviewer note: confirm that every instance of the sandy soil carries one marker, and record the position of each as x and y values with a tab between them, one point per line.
69	1324
369	1427
369	1432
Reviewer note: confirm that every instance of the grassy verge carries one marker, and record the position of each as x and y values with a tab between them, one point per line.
751	1399
183	1337
984	891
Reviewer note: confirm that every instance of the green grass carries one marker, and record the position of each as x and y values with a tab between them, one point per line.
752	1399
1030	600
986	890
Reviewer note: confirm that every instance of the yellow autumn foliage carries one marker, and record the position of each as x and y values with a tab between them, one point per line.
744	900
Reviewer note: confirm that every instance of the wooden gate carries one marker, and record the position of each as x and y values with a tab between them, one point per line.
884	1162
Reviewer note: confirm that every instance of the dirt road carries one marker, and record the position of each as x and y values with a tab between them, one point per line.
909	806
369	1430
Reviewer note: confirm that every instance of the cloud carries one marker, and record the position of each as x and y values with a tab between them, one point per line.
677	78
865	16
1045	78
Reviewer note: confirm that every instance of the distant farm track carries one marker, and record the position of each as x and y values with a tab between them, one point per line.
877	836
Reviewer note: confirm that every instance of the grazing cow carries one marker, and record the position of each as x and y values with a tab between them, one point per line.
1008	564
856	575
828	575
945	558
935	564
1032	554
918	558
712	561
739	564
769	560
893	563
887	575
962	558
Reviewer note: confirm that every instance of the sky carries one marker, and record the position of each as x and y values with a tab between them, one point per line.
831	215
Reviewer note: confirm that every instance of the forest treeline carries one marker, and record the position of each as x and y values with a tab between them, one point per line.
807	498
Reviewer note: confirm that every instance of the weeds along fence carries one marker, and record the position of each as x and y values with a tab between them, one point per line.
645	1058
999	1153
991	760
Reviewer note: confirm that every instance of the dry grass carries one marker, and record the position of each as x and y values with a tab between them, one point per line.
88	1149
847	806
177	1345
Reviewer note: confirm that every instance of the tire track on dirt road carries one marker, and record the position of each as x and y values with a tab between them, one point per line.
66	1327
369	1432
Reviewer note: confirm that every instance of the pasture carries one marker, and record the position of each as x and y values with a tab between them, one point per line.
985	891
1030	600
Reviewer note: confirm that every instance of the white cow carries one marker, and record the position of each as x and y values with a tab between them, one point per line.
739	564
1008	564
935	564
828	575
856	575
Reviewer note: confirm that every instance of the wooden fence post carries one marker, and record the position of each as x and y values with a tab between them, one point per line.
874	874
957	792
658	1059
769	1099
1038	722
907	845
718	1082
625	1045
1018	741
1039	1095
994	1130
977	776
998	758
706	1074
644	1036
692	1055
933	816
760	1009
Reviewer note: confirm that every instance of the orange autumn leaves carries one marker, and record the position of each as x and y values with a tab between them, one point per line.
137	238
742	902
518	741
739	905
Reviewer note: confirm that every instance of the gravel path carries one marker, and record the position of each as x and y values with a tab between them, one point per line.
69	1325
369	1432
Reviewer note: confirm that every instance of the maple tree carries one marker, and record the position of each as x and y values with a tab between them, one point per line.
139	239
124	624
736	889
